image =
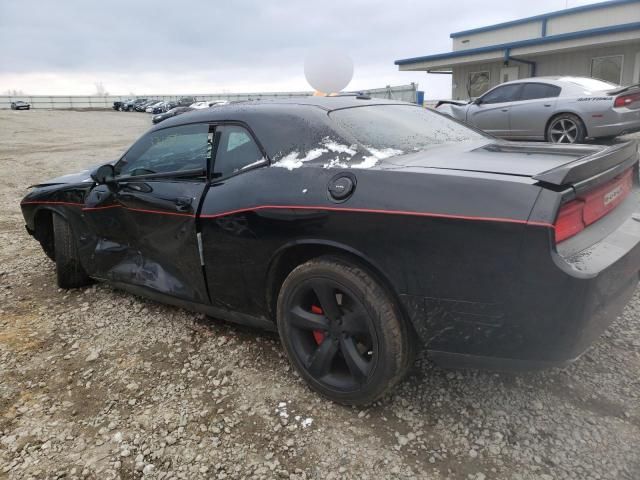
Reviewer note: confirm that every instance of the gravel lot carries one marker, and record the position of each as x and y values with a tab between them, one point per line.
96	383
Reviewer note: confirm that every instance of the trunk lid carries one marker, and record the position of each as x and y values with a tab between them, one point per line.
548	163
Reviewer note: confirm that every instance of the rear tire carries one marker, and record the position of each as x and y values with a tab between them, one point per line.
342	331
69	271
566	128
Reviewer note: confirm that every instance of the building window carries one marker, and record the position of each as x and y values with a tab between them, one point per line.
608	69
478	83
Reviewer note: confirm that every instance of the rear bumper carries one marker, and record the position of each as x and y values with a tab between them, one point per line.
616	123
561	306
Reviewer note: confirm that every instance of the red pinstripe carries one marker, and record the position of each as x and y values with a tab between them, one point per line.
304	207
370	210
106	207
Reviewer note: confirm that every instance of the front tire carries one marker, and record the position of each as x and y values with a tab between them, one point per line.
566	128
69	271
342	331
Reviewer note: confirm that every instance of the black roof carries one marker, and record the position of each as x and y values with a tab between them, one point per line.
281	125
327	104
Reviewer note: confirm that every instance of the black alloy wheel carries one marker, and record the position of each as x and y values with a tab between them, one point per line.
341	331
331	333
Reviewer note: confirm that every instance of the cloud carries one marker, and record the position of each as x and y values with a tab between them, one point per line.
203	46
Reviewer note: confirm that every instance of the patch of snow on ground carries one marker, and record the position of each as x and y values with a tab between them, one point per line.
281	410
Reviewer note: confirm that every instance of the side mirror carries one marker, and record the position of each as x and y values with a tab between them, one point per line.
478	101
103	174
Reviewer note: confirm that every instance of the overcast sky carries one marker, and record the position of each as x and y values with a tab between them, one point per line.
207	46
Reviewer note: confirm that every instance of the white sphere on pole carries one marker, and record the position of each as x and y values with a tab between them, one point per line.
328	70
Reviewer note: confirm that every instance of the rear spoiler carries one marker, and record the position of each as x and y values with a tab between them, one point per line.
623	89
613	159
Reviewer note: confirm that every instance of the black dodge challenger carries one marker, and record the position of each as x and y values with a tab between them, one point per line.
361	230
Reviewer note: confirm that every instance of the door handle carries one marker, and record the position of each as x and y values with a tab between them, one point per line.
183	204
547	104
505	109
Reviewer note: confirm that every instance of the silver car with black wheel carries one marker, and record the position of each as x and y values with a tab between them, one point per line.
554	109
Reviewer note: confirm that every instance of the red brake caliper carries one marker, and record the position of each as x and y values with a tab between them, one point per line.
318	335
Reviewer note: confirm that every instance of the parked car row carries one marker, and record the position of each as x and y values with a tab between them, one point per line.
143	104
164	109
553	109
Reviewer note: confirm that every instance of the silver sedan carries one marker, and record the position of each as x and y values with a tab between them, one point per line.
554	109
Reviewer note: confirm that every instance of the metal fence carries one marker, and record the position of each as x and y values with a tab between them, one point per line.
405	93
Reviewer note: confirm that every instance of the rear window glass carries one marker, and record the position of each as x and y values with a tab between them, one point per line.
533	91
589	83
403	128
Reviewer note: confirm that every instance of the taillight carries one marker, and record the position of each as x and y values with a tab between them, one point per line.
627	100
569	221
590	207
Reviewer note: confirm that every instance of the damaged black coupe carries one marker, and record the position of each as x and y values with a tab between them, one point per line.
361	230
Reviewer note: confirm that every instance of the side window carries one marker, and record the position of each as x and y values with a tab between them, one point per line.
506	93
533	91
235	151
168	150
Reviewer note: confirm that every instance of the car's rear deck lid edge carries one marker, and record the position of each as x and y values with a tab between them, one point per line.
589	165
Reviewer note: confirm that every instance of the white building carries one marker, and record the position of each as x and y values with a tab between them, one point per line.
601	40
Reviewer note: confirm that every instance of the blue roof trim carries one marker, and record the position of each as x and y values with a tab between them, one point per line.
625	27
544	16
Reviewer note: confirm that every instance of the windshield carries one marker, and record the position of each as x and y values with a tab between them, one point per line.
590	83
402	127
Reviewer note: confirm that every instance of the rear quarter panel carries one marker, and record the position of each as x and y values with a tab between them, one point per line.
593	110
447	236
